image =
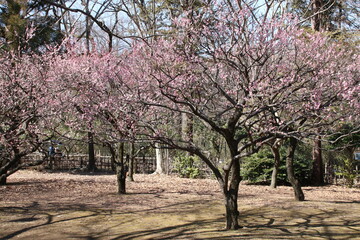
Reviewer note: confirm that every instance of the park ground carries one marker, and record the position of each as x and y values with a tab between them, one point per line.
43	205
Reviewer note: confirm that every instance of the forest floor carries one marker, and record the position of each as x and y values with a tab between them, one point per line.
43	205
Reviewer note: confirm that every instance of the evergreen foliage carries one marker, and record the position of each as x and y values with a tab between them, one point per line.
187	166
257	169
345	142
18	16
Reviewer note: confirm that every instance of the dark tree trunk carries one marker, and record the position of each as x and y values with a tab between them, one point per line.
316	20
130	176
9	166
51	162
276	153
2	172
317	177
113	156
3	179
299	195
120	170
232	213
91	163
231	196
88	25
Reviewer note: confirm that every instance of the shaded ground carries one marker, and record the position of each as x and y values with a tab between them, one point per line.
39	205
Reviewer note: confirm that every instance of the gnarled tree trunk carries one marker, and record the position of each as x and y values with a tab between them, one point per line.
3	175
230	193
3	179
317	176
130	176
276	152
232	212
186	127
299	195
9	165
91	164
120	170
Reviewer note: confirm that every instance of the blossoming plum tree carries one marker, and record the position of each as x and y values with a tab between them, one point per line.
25	111
250	81
92	95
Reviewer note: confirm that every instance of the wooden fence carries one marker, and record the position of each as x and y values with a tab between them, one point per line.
80	161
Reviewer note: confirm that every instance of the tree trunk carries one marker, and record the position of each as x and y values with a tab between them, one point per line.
130	176
317	24
159	159
276	153
120	170
88	25
91	149
231	196
51	162
91	163
113	158
316	20
232	213
8	165
229	182
299	195
2	172
186	127
3	179
317	176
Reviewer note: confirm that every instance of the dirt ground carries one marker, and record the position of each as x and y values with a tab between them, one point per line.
40	205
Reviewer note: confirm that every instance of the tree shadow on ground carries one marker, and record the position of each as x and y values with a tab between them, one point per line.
187	220
27	183
82	172
258	224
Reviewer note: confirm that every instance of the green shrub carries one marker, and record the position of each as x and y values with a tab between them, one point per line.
258	167
187	166
347	171
303	163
